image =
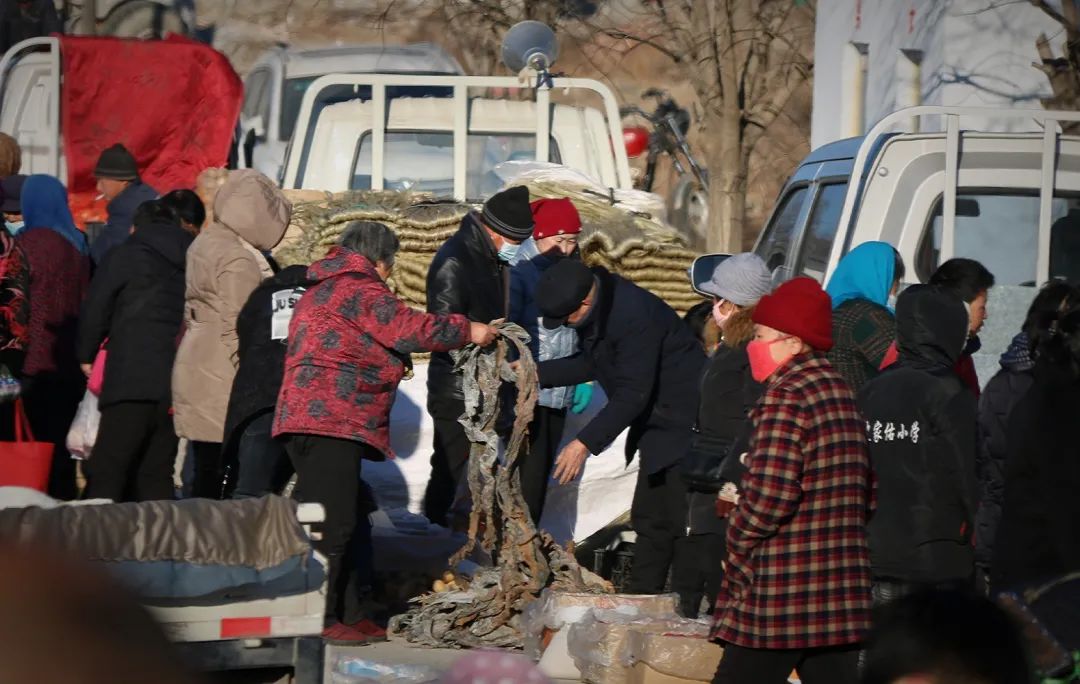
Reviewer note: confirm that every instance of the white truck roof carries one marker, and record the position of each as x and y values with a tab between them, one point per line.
416	58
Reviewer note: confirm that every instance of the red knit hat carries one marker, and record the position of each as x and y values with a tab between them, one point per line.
556	216
801	308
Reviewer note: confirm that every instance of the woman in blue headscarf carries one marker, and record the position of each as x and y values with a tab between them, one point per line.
53	384
863	324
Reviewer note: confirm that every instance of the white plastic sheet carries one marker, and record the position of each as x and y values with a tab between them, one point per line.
572	512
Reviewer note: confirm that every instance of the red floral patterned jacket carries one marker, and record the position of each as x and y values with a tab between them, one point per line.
348	344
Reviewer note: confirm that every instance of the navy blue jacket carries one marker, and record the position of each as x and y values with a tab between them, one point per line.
121	211
649	365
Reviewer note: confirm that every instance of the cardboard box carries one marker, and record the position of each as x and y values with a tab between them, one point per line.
681	657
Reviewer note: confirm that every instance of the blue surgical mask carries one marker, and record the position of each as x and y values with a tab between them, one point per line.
508	251
14	227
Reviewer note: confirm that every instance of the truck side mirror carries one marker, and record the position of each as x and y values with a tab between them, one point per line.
701	271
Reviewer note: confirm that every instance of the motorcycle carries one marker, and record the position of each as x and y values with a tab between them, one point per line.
688	202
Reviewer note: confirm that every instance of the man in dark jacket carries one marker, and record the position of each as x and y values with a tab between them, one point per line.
136	307
1002	393
469	275
262	466
649	365
921	428
118	181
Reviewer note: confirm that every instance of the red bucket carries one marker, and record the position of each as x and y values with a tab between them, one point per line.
24	462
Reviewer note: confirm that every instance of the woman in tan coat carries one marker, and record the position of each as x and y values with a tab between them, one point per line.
224	265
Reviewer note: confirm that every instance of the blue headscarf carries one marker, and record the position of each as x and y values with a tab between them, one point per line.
866	272
45	205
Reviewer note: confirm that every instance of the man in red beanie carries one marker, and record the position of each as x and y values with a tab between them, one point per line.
555	236
796	592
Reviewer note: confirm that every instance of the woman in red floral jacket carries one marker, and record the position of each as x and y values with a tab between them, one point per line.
349	341
796	594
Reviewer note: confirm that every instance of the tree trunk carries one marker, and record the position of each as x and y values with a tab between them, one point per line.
727	184
727	203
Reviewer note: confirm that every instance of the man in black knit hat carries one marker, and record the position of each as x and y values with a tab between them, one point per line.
469	275
118	181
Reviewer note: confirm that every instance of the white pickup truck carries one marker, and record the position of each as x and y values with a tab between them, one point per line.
435	133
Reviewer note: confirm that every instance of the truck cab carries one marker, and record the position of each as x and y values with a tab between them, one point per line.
275	87
1008	200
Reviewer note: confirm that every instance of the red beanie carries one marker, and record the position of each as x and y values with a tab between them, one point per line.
801	308
554	217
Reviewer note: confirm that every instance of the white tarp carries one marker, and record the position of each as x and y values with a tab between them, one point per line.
573	511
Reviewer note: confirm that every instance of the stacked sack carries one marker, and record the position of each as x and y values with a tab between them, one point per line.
630	243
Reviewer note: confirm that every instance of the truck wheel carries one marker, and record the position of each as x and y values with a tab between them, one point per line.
688	210
135	19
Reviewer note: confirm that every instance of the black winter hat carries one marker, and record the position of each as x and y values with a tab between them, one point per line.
561	290
508	213
117	163
11	188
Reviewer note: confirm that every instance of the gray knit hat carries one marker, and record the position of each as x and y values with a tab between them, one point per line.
741	279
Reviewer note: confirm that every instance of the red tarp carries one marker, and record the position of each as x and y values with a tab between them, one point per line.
173	103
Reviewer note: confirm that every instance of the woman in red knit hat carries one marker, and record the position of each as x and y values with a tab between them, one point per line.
796	592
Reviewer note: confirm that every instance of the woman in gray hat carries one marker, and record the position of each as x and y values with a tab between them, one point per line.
723	429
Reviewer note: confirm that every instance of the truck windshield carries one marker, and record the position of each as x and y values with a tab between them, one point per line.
423	161
1001	231
293	95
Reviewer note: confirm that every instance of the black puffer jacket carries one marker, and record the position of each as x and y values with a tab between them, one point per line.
136	301
999	397
649	364
466	277
262	330
921	430
1038	537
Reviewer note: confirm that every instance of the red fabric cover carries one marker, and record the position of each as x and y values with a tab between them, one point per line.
173	103
556	216
800	308
348	339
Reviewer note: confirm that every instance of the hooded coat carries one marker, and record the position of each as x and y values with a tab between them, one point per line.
349	342
121	212
136	302
921	429
224	266
999	398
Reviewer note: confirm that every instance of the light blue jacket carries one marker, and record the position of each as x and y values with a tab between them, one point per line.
526	268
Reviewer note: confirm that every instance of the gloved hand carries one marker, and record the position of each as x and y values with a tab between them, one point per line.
582	397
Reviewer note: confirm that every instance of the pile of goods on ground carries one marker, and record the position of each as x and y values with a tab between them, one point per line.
630	243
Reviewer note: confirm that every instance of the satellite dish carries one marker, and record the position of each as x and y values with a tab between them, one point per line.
529	44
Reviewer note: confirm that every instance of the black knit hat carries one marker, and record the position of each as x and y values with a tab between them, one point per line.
508	213
117	163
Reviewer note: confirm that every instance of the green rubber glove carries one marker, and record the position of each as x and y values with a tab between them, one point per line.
582	397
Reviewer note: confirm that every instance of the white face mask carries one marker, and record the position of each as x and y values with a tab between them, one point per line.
891	303
14	227
718	315
508	251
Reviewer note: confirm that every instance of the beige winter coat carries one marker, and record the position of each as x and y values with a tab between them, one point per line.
223	267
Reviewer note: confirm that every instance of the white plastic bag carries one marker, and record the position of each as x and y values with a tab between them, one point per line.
83	432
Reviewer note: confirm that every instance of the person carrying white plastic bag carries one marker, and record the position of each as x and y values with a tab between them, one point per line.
83	432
